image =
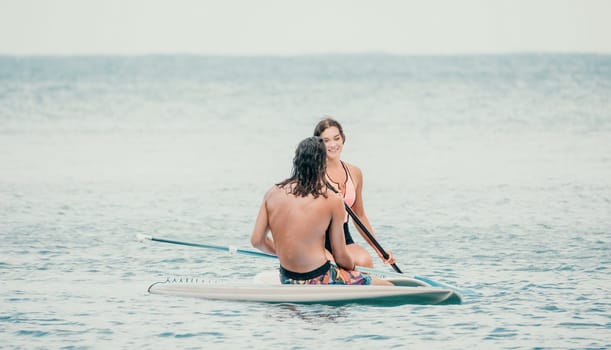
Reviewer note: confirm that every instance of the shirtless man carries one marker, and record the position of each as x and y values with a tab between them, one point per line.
298	211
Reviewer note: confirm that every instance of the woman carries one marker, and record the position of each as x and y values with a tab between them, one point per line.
348	180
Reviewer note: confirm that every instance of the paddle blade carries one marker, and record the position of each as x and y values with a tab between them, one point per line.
141	238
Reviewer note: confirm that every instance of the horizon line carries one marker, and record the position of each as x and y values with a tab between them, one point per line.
320	54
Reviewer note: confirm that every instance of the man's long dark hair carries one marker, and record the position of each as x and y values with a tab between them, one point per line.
309	166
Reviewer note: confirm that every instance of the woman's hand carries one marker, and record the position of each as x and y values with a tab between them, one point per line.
390	260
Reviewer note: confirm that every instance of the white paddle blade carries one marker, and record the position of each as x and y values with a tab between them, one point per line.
141	238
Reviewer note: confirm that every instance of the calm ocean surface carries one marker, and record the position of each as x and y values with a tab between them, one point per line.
492	173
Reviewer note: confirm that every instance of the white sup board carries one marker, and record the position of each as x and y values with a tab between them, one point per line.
264	291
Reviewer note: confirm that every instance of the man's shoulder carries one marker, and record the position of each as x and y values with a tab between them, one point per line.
334	198
274	190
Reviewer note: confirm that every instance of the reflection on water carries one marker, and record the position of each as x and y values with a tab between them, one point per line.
311	314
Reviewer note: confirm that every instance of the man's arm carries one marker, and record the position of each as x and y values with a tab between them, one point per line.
336	236
259	238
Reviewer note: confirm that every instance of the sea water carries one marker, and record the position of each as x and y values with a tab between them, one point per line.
490	173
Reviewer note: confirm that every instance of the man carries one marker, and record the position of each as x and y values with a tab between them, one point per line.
298	211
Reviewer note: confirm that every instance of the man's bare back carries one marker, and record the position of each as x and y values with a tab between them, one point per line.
298	226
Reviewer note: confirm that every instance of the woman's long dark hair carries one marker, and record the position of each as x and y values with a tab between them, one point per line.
309	166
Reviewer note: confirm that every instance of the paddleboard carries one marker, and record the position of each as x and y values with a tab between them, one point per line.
262	291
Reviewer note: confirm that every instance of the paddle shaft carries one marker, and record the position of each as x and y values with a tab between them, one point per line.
360	224
229	249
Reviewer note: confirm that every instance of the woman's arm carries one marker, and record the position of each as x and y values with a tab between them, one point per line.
359	209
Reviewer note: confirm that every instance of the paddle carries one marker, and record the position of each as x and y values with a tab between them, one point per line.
360	224
234	250
230	249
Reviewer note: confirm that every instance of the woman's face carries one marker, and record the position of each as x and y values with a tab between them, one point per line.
333	142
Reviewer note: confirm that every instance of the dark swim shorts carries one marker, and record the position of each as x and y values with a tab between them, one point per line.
326	274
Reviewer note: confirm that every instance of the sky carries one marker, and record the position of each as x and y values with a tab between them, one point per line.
287	27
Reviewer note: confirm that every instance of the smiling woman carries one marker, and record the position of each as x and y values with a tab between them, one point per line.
273	27
347	179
